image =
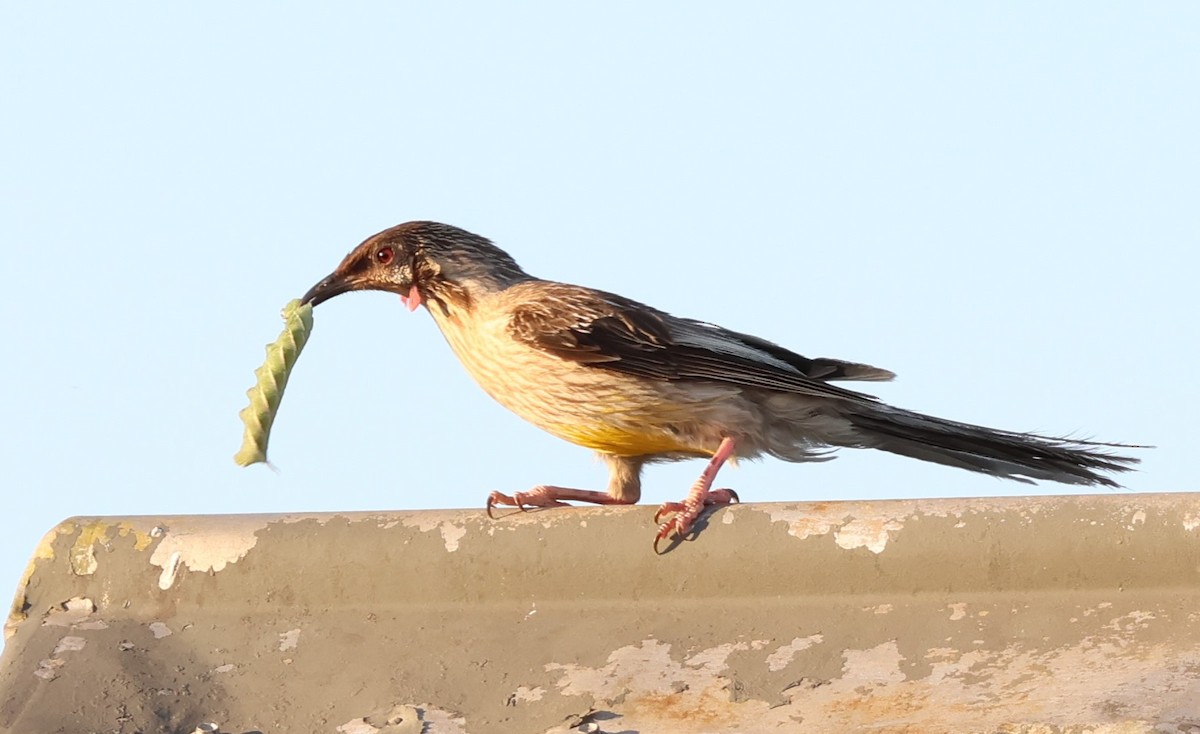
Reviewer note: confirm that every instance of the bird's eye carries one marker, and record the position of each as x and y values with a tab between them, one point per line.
384	255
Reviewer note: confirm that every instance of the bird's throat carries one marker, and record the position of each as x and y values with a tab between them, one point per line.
413	299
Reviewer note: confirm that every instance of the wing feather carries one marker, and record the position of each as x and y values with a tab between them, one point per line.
607	331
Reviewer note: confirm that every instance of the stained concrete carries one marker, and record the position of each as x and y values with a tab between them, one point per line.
1048	614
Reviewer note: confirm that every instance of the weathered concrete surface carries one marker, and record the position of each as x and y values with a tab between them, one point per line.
1051	614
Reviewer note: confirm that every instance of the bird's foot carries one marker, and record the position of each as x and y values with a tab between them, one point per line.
545	495
683	514
686	512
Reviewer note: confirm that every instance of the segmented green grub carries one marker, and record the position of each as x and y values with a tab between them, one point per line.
272	379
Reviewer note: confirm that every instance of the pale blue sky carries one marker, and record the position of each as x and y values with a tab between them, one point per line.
1000	202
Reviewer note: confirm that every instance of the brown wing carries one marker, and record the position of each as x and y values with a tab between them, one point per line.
607	331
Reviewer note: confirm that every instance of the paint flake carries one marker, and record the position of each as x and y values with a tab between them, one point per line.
208	546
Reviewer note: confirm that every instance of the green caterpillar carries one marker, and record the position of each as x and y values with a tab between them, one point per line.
272	379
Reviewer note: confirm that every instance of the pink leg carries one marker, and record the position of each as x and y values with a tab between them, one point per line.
700	496
547	496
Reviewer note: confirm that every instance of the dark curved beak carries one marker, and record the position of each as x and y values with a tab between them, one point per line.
334	284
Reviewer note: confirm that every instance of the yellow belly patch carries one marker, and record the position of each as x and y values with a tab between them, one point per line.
622	442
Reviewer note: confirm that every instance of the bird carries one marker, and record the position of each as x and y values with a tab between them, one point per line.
638	385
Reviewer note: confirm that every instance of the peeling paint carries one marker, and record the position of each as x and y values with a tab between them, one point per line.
91	533
83	550
438	721
73	613
208	547
289	640
48	669
645	668
43	552
714	658
406	719
170	570
525	694
872	534
357	726
849	532
141	540
801	523
1047	615
878	665
1131	622
784	654
69	644
452	532
654	687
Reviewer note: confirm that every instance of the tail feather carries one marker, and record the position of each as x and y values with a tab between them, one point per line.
1019	456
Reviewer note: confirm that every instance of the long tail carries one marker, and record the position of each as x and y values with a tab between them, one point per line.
1019	456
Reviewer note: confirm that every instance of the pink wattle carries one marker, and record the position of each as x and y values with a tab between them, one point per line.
414	298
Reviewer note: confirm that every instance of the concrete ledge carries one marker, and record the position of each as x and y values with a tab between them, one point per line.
1046	614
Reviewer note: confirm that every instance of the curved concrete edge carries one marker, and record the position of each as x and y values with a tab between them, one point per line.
1014	614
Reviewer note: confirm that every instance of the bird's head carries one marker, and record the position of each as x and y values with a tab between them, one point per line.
422	262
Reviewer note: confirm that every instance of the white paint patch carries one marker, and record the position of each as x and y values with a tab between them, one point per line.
647	667
870	533
170	570
438	721
226	668
48	668
648	670
958	610
69	644
879	665
950	663
1131	623
1139	518
357	726
207	546
407	719
854	525
881	609
965	690
714	658
452	532
1191	522
288	640
525	694
159	630
805	523
79	604
783	655
74	612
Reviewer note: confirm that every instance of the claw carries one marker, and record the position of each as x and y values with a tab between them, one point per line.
668	507
491	503
679	525
663	531
500	499
545	496
688	511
